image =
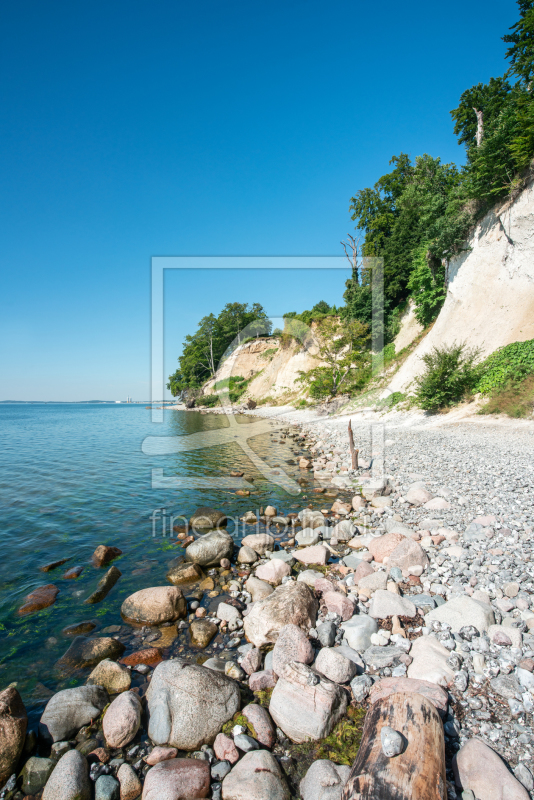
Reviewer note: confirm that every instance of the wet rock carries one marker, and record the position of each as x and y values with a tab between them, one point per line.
260	542
130	783
478	768
207	518
335	666
304	711
430	662
202	632
151	656
155	605
13	724
225	749
293	603
318	554
340	604
184	573
105	585
114	677
70	779
35	774
358	631
122	720
107	788
273	572
179	779
256	777
262	724
188	704
311	519
160	754
79	628
210	549
292	644
54	565
258	589
387	686
69	710
104	554
40	598
324	781
462	611
386	604
85	652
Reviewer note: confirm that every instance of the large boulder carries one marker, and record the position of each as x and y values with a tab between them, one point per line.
177	779
69	710
256	777
35	773
293	603
70	779
188	704
324	781
122	720
463	611
85	652
13	724
155	605
479	769
210	549
382	546
292	645
303	709
206	518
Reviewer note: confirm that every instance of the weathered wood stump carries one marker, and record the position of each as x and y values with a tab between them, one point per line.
418	773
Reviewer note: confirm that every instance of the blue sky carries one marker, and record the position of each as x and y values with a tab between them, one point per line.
132	129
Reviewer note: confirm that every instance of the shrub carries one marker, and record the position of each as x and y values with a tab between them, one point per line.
517	400
450	375
428	290
506	366
208	400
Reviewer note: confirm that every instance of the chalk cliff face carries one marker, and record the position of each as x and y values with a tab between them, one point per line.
490	292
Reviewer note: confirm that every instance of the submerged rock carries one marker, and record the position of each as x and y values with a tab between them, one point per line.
209	550
85	652
105	585
40	598
184	573
69	710
202	632
207	518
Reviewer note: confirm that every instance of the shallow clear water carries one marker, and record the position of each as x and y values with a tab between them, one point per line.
73	477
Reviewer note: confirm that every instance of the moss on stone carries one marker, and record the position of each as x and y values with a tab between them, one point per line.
263	697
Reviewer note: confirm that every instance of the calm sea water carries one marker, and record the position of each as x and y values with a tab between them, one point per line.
73	477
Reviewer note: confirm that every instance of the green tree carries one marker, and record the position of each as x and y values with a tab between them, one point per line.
521	52
427	287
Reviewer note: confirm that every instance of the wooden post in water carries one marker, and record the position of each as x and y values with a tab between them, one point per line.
353	452
418	773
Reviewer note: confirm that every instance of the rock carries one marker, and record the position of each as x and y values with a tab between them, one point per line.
318	554
104	554
371	583
104	586
151	656
69	710
246	555
392	741
188	704
430	662
270	511
418	496
85	652
511	589
358	631
344	530
311	519
202	632
478	768
210	549
79	628
292	644
107	788
122	720
130	783
293	603
524	776
159	754
256	777
339	604
386	604
227	612
304	463
283	555
260	542
304	710
155	605
408	554
387	686
362	570
258	589
264	679
207	518
379	656
70	779
42	597
326	633
114	677
245	743
335	666
361	686
13	725
225	749
184	573
252	661
506	686
381	547
463	611
324	781
308	537
273	571
35	774
179	779
262	725
505	636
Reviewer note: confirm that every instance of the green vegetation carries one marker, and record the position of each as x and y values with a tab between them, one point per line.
506	367
450	375
516	401
208	400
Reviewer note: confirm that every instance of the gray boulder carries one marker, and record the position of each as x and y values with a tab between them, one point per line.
35	774
324	781
463	611
293	603
335	666
69	710
210	549
257	776
188	704
70	778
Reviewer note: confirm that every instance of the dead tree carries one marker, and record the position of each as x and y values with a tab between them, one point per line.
480	126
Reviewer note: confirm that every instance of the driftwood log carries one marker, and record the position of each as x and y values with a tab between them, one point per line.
353	452
418	773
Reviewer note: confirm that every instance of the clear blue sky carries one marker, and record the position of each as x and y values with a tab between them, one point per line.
132	128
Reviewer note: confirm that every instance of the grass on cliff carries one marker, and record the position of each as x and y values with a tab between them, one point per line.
516	401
